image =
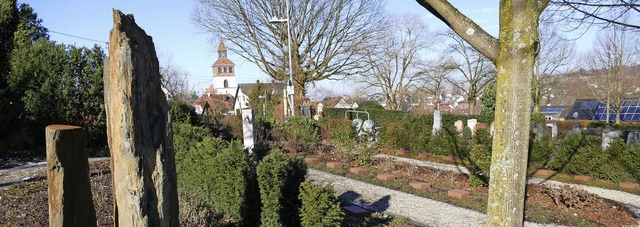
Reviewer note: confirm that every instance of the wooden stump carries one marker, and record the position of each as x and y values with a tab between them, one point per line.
69	189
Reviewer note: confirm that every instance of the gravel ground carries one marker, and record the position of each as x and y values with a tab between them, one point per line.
631	201
27	172
422	211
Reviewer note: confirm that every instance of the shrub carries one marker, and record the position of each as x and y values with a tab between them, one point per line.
446	143
395	135
568	149
231	172
183	113
339	131
479	165
279	179
540	151
320	207
301	134
195	149
631	161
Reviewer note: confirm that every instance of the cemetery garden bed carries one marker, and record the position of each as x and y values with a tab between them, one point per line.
566	206
561	177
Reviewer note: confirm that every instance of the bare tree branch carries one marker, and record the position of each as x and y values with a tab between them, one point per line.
325	34
477	37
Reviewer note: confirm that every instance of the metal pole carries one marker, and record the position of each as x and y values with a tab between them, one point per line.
293	109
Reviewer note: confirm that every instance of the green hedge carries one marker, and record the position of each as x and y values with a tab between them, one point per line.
583	155
378	116
232	188
279	179
195	150
337	130
320	207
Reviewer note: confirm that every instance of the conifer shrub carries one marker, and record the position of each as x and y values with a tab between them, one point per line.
279	179
320	207
301	134
232	173
337	130
540	151
395	135
195	149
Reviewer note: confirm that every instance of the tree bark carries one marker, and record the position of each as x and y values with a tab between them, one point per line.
518	38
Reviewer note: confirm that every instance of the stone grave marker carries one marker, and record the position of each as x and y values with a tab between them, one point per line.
437	122
248	130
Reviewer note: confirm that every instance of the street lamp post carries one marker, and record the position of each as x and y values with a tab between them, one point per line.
290	86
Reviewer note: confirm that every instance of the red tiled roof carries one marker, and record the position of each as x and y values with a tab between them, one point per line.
217	102
221	47
223	61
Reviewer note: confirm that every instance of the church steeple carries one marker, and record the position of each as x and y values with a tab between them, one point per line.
222	50
224	78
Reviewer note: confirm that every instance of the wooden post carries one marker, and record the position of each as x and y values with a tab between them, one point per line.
70	198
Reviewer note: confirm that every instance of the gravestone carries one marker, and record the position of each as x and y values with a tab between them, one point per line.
575	130
633	137
437	122
539	131
138	130
607	136
248	130
459	125
471	123
554	130
69	189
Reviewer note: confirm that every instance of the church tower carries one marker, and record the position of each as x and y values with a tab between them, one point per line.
224	73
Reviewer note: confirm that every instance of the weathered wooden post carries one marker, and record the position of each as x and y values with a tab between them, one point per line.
69	189
138	130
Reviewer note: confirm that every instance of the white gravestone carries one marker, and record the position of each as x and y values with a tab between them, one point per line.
248	132
471	123
459	126
437	122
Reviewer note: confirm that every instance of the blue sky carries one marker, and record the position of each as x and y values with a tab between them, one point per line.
176	37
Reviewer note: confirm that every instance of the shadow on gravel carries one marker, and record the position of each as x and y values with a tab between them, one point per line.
380	205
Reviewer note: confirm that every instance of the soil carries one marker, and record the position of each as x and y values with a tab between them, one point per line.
540	203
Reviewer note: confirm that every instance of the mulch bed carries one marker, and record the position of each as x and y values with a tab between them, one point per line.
540	205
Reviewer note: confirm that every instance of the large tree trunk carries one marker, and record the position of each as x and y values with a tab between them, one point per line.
514	64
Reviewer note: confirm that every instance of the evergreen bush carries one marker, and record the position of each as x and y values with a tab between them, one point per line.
183	113
301	134
540	151
279	179
338	131
232	173
320	207
195	150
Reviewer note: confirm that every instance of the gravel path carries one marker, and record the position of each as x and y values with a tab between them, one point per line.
422	211
27	172
631	201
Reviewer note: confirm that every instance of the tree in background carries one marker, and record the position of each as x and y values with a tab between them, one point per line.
392	60
325	35
8	25
613	75
175	82
435	78
261	99
555	53
49	83
476	69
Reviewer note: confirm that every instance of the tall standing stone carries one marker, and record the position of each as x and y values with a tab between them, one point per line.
138	130
69	189
437	122
471	123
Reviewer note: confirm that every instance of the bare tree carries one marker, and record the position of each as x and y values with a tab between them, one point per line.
554	56
513	53
324	34
612	76
435	78
578	14
393	59
175	81
476	69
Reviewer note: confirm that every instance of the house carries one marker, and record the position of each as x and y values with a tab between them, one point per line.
592	109
338	102
211	104
242	93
